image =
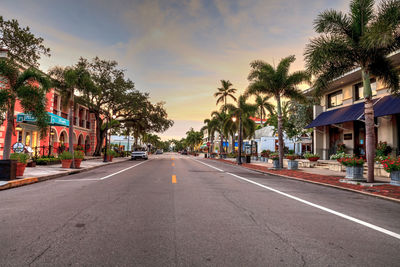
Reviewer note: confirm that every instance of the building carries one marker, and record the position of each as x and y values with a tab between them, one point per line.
27	133
266	139
339	119
124	142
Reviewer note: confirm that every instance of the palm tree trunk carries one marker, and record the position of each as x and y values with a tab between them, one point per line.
369	126
9	131
71	132
221	146
261	115
280	134
99	136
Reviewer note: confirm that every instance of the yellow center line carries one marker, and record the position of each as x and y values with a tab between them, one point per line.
174	179
173	164
172	158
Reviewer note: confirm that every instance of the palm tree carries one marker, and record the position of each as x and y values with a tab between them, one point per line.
262	103
242	112
363	38
224	92
277	82
68	80
210	126
30	88
218	119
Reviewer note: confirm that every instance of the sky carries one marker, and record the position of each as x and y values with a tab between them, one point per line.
177	50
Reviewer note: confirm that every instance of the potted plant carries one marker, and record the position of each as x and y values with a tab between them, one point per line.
392	166
78	157
311	157
292	163
339	155
275	160
66	159
265	154
21	159
110	154
354	168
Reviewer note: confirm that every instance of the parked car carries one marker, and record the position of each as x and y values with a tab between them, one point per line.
139	155
159	151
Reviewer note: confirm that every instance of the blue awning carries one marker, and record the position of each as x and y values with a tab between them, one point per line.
387	105
340	115
54	120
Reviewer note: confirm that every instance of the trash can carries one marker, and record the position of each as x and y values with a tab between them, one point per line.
205	155
248	159
8	169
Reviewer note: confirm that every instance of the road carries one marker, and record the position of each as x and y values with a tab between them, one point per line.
177	210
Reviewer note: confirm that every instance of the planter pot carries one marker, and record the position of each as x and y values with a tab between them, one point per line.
8	169
20	169
77	163
293	165
275	164
355	173
109	158
313	159
395	178
66	163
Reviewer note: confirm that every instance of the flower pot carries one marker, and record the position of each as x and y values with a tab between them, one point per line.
77	163
20	169
293	165
109	158
313	159
66	163
275	164
355	173
395	178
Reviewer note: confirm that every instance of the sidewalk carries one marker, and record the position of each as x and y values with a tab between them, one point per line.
43	172
381	188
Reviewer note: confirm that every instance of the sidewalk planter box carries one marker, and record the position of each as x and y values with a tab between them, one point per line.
8	169
395	178
66	163
293	165
355	173
313	159
275	164
20	169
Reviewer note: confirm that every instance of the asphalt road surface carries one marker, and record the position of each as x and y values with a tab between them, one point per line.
177	210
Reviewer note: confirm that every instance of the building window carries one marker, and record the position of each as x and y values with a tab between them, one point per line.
335	99
359	89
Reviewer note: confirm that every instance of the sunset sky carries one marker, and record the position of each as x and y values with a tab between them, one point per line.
178	51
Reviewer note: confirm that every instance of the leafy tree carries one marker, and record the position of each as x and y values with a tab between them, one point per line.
23	46
193	138
278	83
362	38
30	88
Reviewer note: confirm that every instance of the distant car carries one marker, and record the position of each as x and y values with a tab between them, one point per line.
159	151
139	155
184	152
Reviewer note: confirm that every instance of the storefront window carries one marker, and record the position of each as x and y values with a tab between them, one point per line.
335	99
28	139
359	90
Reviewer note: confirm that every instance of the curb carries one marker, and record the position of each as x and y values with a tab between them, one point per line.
314	182
32	180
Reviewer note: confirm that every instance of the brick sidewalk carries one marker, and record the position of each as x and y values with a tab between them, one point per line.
386	191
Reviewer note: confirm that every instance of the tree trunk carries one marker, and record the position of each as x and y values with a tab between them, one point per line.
280	134
369	126
9	131
261	115
221	146
71	132
99	136
240	140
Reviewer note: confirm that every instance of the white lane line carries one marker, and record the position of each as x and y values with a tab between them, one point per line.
105	177
342	215
209	165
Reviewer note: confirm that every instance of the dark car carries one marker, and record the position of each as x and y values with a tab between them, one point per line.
184	152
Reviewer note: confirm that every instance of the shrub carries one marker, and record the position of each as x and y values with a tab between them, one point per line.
265	153
383	149
291	156
391	164
20	157
79	154
352	161
65	155
274	156
310	156
339	155
341	148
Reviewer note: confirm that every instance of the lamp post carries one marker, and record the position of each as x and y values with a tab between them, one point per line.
50	137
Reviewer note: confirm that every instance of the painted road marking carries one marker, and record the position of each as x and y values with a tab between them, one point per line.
342	215
173	164
105	177
174	179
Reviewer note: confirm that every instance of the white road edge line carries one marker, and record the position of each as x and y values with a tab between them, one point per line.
209	165
342	215
105	177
